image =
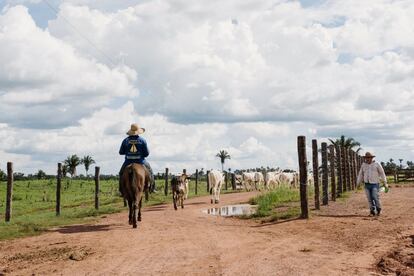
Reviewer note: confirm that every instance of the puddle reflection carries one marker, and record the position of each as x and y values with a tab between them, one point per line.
231	210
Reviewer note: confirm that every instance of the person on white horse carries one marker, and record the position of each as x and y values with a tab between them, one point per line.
135	149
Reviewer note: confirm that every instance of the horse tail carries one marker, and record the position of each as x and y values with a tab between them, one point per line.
133	182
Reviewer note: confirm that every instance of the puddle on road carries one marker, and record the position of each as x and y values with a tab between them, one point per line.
231	210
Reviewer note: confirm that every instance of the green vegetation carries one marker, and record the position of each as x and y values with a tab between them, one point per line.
281	203
267	203
348	143
33	207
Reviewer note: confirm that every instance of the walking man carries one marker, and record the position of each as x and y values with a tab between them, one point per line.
371	174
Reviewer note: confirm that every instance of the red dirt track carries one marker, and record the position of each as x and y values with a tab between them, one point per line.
338	240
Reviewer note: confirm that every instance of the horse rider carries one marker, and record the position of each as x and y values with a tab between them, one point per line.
135	149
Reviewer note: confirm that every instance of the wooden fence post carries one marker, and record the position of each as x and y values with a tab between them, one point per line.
58	188
196	181
343	172
208	182
9	193
325	173
97	177
354	161
332	168
226	179
166	182
345	168
316	172
339	170
351	168
303	175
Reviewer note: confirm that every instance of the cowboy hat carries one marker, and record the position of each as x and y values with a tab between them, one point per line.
369	155
135	130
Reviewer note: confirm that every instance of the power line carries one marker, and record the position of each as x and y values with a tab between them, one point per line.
79	33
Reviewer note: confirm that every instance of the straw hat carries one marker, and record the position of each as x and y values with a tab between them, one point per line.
369	155
135	130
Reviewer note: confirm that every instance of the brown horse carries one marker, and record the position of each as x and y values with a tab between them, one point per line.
135	181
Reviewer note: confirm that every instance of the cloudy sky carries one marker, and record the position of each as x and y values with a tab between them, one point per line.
245	76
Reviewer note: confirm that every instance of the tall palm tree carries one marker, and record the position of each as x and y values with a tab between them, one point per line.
72	162
87	161
64	170
348	143
223	155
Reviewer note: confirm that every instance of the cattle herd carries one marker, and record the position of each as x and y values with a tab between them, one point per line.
259	181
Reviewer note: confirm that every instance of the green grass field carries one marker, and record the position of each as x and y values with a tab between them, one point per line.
33	206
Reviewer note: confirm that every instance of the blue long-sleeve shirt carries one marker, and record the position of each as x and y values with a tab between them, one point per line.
135	150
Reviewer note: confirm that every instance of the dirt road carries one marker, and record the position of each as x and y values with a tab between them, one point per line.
338	240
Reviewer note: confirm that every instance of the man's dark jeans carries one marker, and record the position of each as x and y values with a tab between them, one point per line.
371	190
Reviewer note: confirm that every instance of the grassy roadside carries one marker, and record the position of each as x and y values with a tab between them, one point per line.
33	206
283	203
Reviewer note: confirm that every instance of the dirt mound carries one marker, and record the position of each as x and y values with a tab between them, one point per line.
400	260
34	256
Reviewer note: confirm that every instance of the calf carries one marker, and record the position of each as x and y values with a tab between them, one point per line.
216	179
179	187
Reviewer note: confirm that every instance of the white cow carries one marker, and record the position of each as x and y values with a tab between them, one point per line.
289	178
216	179
258	180
184	179
272	180
310	179
248	180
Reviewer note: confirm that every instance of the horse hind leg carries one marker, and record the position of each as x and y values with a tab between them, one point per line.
139	209
134	215
130	212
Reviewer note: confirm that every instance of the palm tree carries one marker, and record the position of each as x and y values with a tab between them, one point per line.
223	155
400	162
64	170
348	143
72	162
87	161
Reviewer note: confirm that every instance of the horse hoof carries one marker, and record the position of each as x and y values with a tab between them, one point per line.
139	219
130	222
212	202
134	226
217	201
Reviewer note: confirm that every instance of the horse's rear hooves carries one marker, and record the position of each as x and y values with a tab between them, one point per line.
212	201
130	223
134	226
139	219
